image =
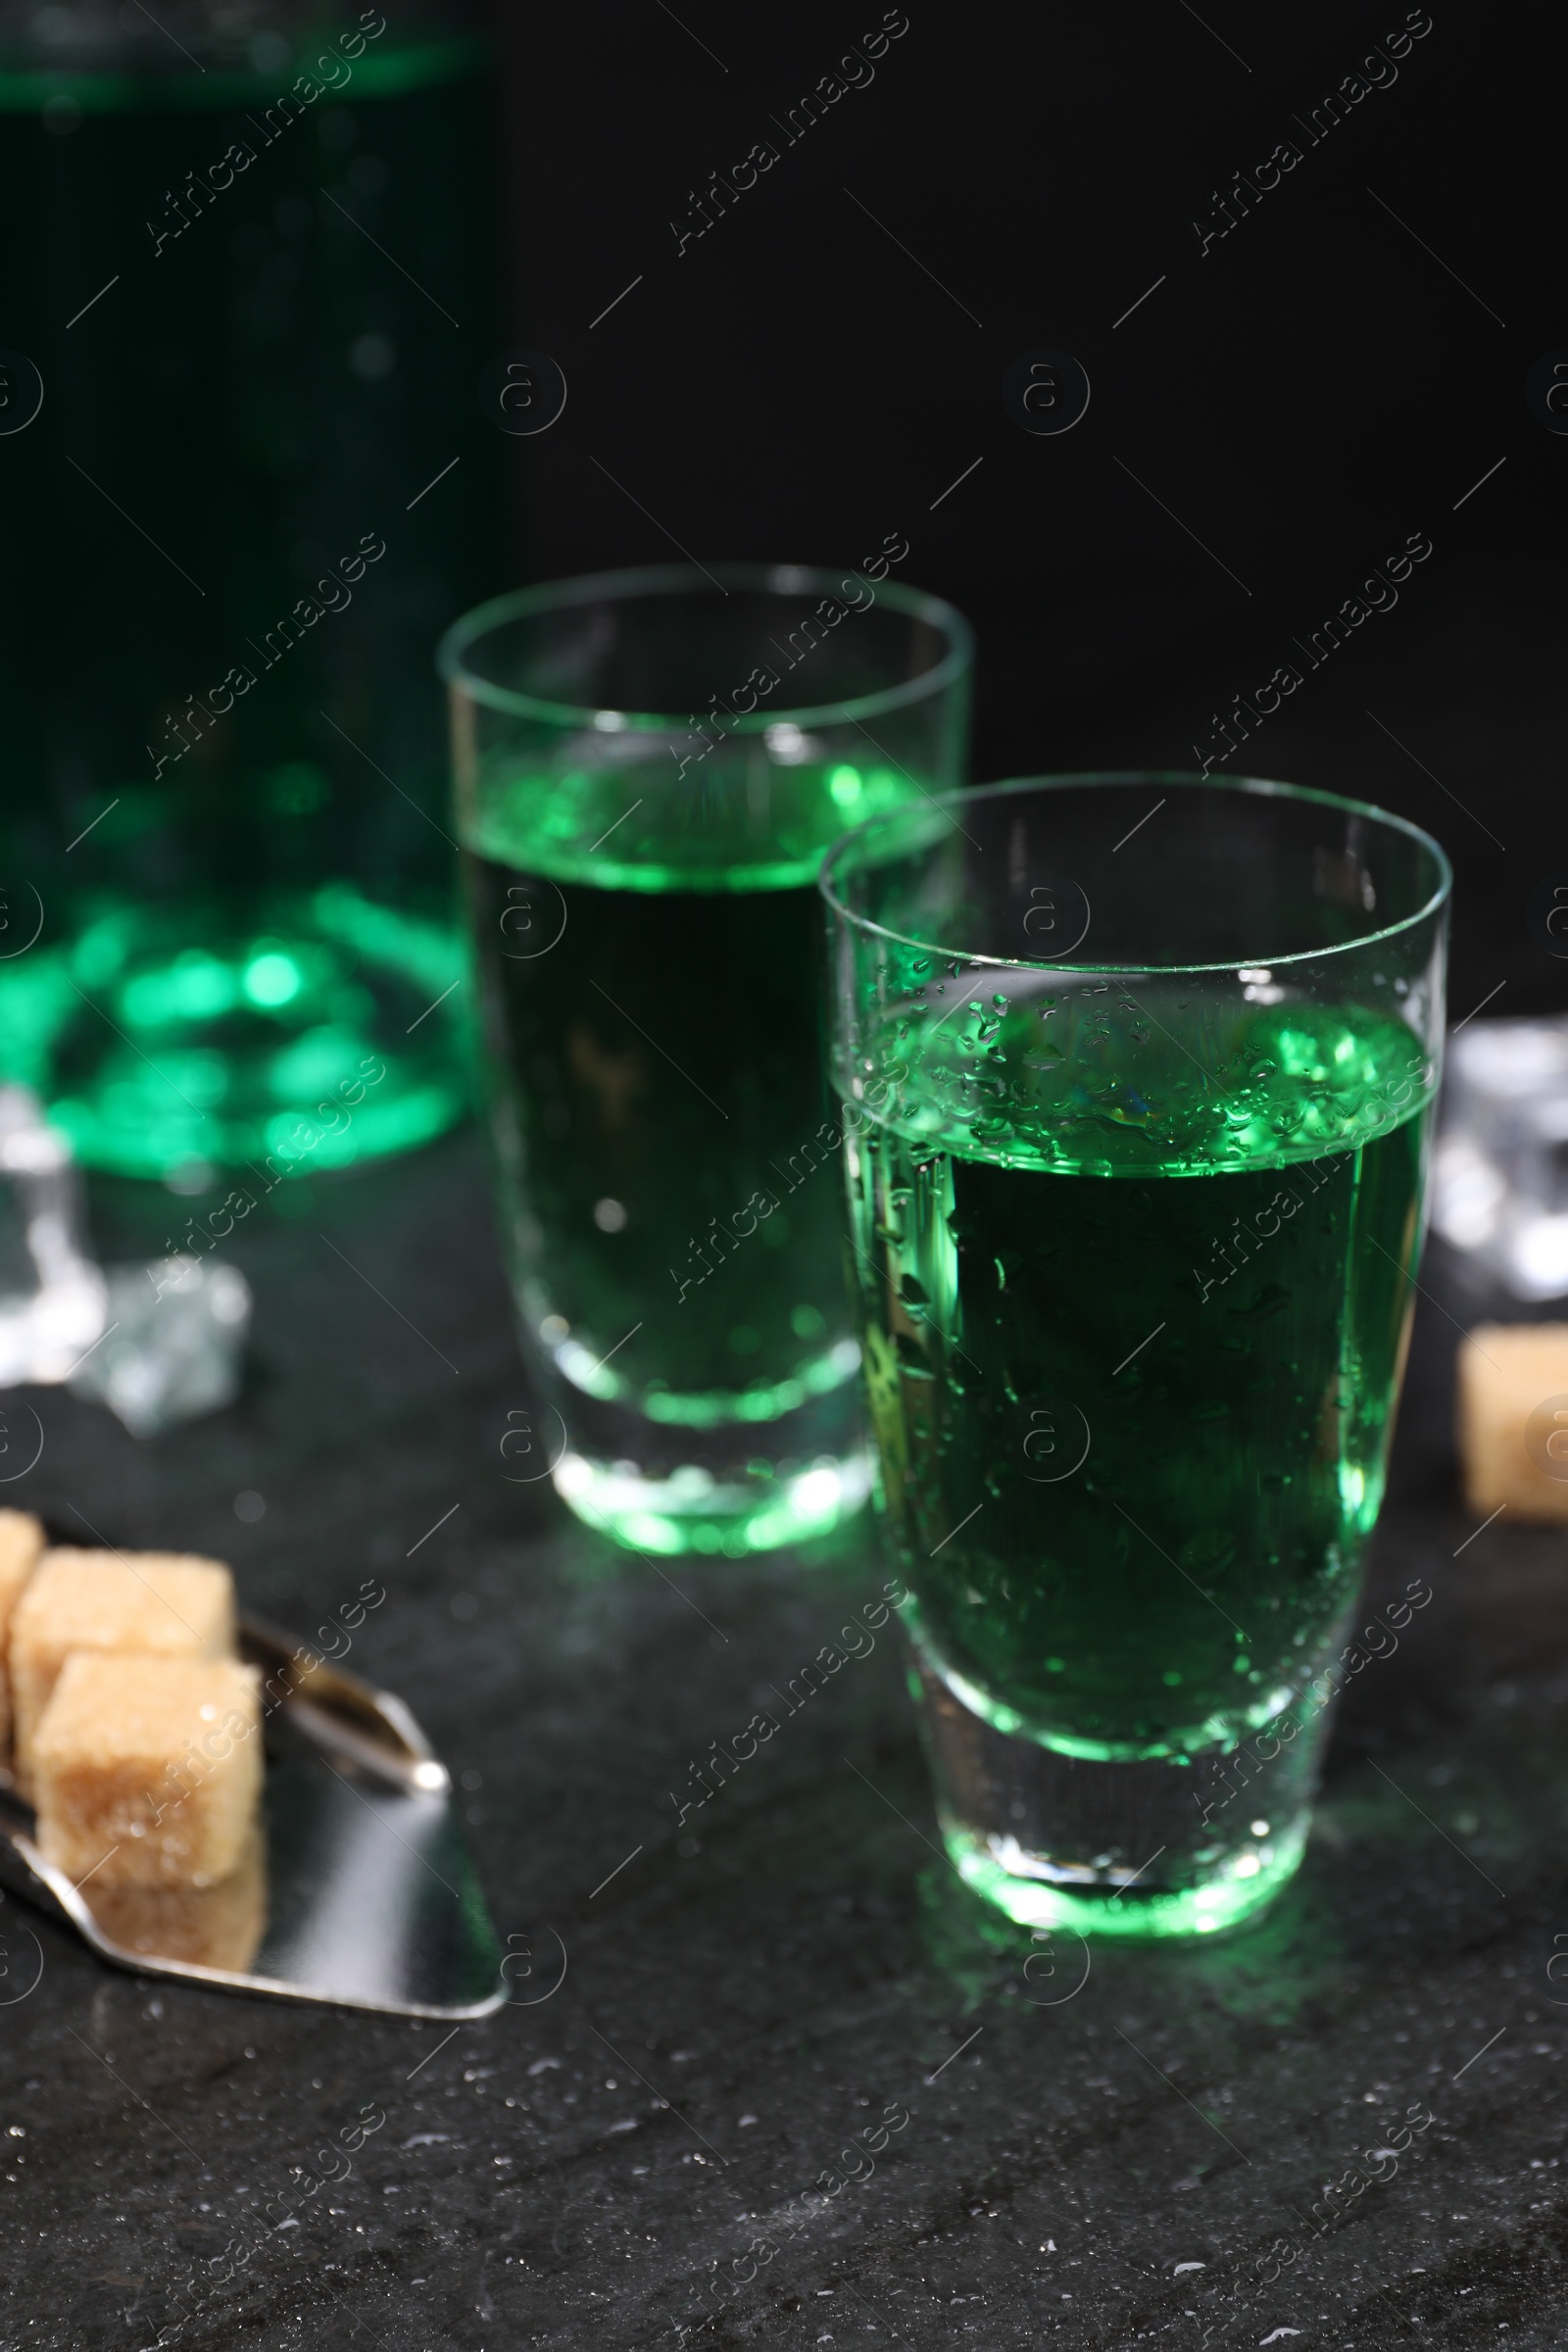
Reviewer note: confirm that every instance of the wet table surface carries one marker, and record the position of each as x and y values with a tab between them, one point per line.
767	2074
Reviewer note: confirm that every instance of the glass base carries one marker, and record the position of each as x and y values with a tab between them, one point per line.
764	1508
1137	1850
733	1487
184	1038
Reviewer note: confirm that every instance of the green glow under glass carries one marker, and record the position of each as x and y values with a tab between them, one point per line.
264	1043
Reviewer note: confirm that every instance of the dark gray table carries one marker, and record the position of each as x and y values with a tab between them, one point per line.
746	1992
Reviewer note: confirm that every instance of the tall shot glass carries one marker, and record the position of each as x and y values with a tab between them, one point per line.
649	766
1137	1075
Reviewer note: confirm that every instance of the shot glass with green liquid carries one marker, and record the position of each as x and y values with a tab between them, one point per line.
1137	1075
649	766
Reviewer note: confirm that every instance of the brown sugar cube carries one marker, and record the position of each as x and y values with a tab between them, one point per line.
148	1770
204	1926
21	1544
1513	1419
165	1601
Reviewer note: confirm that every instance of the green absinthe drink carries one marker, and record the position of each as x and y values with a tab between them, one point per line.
1134	1244
241	336
647	933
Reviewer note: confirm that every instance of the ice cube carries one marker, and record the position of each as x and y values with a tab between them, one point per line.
52	1297
1501	1170
175	1343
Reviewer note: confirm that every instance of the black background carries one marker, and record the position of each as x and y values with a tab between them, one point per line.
1303	396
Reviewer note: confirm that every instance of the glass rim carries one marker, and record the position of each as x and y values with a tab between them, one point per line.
1263	786
671	579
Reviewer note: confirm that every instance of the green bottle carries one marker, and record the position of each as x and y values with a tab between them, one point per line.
247	480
